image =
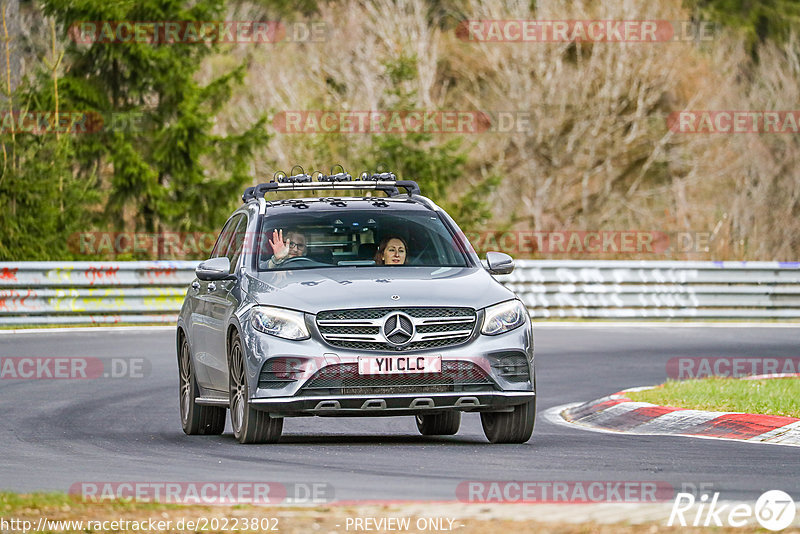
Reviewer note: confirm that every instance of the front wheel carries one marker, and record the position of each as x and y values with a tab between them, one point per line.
443	424
510	427
195	418
249	425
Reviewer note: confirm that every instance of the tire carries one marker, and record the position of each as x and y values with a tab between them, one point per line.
443	424
510	427
249	425
195	418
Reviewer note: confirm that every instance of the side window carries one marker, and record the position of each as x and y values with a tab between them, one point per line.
235	249
224	239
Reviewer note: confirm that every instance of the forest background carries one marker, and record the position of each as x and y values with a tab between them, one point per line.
579	139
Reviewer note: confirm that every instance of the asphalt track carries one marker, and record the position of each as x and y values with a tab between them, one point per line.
56	433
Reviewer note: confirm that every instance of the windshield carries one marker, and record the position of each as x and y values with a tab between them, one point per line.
353	238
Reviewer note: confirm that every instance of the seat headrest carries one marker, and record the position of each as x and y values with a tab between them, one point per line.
366	251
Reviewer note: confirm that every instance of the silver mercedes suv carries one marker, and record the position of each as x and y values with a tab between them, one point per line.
351	306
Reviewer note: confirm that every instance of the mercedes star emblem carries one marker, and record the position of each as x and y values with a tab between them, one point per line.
398	329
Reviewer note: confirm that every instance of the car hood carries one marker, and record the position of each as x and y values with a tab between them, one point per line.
314	290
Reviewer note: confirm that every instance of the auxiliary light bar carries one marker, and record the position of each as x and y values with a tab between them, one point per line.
385	181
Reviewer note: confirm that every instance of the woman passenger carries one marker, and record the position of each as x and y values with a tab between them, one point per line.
392	250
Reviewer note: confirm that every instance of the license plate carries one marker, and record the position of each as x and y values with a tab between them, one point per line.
393	365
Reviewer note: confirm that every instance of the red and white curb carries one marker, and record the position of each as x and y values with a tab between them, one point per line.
618	413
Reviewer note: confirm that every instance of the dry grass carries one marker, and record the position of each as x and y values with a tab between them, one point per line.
598	154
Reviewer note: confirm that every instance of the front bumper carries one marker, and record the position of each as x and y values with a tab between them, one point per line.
395	404
347	393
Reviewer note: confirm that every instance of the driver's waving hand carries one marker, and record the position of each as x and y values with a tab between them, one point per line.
293	247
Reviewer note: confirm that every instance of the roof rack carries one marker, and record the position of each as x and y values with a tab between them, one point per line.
385	181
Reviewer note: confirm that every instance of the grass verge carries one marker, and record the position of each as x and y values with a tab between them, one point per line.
774	396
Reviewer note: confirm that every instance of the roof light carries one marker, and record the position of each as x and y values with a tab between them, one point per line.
382	176
317	181
337	177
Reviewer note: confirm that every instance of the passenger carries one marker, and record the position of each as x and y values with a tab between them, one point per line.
391	251
293	247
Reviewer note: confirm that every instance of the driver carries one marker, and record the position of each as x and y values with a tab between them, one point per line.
293	247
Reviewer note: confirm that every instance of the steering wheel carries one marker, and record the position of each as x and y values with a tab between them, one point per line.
296	258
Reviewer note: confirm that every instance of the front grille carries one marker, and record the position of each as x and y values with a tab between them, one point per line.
350	330
362	329
343	379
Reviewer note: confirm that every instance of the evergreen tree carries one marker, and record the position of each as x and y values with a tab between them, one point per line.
42	202
758	20
163	162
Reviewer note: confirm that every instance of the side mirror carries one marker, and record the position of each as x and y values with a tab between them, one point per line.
214	269
499	263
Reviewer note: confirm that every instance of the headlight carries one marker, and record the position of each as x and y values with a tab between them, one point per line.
503	317
279	322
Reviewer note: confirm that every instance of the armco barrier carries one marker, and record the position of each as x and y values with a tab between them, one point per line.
93	292
152	292
658	289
